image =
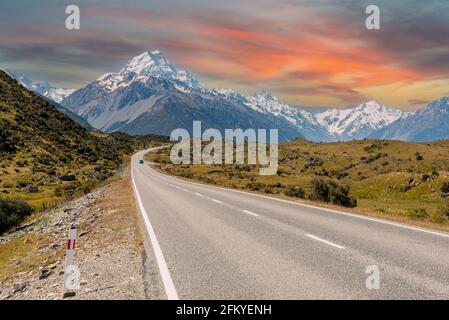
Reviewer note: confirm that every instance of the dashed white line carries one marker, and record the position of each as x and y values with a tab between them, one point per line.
352	215
324	241
251	213
217	201
198	194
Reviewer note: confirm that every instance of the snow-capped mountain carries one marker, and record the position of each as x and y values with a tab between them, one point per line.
359	122
148	66
149	95
45	89
427	124
304	121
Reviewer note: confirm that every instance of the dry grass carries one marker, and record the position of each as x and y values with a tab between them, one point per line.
396	180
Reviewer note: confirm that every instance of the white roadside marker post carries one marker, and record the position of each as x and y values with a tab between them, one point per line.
71	273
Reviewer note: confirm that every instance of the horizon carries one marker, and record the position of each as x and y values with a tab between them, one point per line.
282	47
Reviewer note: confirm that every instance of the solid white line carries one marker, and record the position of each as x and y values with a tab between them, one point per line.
217	201
198	194
352	215
325	241
170	289
251	213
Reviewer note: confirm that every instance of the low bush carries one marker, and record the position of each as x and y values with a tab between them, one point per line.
12	211
419	213
295	191
256	186
331	191
445	187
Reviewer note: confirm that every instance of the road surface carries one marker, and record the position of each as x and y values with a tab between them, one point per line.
215	243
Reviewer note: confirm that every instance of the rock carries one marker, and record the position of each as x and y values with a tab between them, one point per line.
54	245
53	266
33	189
83	233
19	287
83	282
45	273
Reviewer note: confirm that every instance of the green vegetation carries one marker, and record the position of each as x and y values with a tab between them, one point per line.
46	158
331	191
12	212
402	180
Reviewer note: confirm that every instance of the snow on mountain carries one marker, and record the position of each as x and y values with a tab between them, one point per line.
304	121
427	124
150	95
359	122
45	89
144	67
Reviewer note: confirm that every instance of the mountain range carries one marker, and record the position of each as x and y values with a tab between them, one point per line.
150	95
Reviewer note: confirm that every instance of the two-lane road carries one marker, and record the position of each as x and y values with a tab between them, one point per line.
215	243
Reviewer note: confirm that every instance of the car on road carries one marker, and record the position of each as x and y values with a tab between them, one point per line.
141	162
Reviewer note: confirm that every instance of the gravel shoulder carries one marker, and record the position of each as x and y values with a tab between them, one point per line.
114	260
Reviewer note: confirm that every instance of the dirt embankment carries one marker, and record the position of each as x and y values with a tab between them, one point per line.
110	250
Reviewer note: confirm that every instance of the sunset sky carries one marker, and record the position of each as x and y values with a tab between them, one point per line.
309	52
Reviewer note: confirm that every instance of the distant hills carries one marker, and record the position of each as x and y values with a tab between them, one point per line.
150	95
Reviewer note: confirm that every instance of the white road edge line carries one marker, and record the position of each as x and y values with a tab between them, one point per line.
170	289
357	216
324	241
251	213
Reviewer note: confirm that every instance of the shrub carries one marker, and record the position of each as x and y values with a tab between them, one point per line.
445	187
444	212
418	156
67	177
12	211
425	177
330	191
295	191
256	186
280	171
419	213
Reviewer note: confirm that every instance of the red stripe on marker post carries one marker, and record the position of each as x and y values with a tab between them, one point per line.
69	264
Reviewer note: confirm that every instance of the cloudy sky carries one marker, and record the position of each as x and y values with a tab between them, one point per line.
308	52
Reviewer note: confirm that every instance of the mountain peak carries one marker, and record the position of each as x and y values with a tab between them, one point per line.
146	60
441	103
146	66
266	94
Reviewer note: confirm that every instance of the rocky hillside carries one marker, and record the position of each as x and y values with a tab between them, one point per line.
45	157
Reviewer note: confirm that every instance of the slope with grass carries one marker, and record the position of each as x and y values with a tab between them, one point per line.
45	157
401	180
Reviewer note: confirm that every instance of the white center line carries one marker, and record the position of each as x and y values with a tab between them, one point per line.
324	241
251	213
217	201
198	194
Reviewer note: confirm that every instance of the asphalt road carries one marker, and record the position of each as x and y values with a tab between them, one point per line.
215	243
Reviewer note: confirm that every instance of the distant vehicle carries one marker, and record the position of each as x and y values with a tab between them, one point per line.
140	161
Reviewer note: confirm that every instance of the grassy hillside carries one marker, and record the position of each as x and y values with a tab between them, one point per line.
45	157
387	178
